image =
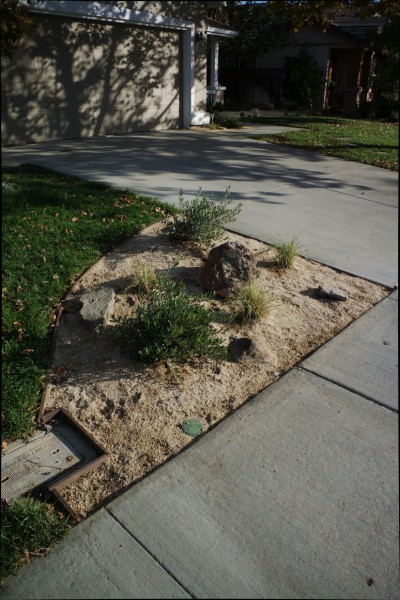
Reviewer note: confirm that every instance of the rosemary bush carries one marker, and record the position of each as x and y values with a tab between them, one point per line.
202	219
170	325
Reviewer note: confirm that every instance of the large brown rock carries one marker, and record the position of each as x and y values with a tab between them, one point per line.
227	266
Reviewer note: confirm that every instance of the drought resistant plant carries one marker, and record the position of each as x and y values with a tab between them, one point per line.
286	252
171	326
202	220
144	279
251	303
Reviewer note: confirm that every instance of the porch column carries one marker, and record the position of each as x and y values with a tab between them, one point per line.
214	61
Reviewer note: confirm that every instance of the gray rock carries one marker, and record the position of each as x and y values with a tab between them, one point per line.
246	350
97	306
325	291
226	267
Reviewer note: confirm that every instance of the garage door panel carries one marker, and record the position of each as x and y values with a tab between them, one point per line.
92	79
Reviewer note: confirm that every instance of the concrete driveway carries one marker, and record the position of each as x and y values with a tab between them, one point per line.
344	213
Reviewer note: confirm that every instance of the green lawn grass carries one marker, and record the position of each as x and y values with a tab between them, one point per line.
370	142
54	227
28	526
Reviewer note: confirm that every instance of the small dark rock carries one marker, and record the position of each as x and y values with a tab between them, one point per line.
244	350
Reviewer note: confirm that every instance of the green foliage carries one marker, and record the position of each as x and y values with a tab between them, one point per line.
202	220
386	102
259	30
387	105
267	26
286	252
27	525
226	120
303	80
172	326
251	303
14	24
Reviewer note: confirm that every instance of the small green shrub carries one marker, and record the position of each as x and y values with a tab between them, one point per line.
303	81
387	105
251	303
202	220
367	110
172	326
218	107
286	252
27	525
227	120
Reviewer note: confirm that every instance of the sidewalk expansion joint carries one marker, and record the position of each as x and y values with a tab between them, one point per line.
349	389
326	187
163	567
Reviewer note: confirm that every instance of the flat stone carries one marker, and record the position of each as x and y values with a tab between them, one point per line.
97	306
325	291
246	350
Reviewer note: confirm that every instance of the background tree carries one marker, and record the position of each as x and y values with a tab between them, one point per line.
266	26
15	23
280	19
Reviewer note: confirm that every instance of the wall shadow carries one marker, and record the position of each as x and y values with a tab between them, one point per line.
76	79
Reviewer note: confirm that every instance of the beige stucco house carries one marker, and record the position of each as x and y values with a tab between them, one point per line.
101	68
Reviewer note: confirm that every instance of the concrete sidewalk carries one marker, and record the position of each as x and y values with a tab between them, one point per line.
344	213
295	495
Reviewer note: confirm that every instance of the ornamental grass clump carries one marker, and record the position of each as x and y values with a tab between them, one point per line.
169	325
251	303
285	253
145	278
202	219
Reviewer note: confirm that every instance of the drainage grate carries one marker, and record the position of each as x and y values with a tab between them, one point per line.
36	463
49	459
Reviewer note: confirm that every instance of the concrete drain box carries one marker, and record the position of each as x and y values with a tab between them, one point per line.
50	458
